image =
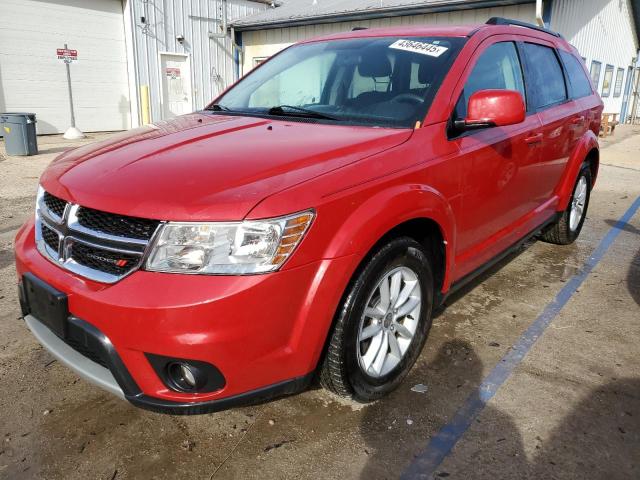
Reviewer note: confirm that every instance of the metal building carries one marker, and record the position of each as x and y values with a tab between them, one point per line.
141	61
184	52
178	53
604	31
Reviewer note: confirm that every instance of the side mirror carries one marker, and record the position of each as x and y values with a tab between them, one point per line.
493	108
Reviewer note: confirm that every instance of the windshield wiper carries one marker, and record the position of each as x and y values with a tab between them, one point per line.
216	107
299	111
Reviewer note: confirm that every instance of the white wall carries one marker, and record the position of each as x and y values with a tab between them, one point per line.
32	79
601	30
264	43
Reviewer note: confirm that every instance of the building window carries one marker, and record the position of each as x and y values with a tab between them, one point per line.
606	83
595	73
617	91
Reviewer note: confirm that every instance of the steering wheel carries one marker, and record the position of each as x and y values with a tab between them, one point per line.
408	98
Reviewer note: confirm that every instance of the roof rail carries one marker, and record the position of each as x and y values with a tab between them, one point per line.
518	23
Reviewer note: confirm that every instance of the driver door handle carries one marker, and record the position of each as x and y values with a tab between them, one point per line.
534	139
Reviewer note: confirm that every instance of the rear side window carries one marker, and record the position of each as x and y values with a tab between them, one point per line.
498	67
578	81
544	75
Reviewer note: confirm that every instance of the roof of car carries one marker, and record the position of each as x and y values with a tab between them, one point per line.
442	31
404	31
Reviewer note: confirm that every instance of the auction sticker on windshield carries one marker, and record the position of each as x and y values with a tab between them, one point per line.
419	47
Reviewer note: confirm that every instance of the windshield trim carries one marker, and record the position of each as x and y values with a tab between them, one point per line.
288	118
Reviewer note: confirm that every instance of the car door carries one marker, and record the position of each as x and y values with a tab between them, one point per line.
559	116
497	161
581	93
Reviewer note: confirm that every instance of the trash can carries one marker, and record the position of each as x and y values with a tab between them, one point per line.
19	132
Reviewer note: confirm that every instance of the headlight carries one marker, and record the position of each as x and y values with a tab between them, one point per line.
233	248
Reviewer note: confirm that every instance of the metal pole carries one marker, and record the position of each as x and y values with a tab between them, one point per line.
66	64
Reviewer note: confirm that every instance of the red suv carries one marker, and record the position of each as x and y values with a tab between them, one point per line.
310	219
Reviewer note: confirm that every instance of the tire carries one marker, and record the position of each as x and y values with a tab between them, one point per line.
565	231
343	370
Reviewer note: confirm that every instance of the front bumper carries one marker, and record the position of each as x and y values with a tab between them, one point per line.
265	333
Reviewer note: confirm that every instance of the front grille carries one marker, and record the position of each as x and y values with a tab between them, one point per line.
113	263
117	225
97	245
54	204
51	238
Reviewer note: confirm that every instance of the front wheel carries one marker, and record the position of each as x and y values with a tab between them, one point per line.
569	225
382	323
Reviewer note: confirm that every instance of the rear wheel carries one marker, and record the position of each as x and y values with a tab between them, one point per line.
569	225
382	323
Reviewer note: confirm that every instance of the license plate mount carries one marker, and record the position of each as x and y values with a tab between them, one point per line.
46	304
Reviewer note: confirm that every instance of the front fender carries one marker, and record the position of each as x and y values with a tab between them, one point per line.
587	143
385	210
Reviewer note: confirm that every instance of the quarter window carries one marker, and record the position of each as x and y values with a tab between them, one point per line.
497	68
544	75
578	80
606	83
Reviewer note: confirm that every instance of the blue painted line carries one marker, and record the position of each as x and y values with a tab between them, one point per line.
426	462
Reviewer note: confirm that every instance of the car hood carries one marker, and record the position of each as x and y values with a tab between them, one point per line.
207	166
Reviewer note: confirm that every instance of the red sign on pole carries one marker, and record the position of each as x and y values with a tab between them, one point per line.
67	55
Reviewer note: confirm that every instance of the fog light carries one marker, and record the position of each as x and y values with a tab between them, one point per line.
188	376
185	376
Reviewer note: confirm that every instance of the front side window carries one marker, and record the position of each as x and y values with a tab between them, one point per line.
544	75
498	67
385	81
578	80
619	79
606	83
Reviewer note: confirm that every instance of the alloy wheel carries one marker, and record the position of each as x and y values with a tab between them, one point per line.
389	322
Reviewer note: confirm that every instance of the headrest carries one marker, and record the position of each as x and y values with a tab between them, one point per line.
426	71
374	63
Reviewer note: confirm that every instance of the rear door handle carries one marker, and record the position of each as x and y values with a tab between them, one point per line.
577	120
533	139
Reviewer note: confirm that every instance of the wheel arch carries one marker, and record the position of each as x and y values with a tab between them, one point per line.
587	149
417	211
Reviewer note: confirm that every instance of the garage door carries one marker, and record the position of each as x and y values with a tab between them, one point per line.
33	79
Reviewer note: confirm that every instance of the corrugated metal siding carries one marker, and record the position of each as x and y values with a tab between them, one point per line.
601	30
264	43
212	62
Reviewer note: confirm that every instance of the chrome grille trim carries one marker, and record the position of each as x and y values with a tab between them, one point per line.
70	232
74	224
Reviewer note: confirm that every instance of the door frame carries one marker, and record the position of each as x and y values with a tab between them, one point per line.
626	95
187	56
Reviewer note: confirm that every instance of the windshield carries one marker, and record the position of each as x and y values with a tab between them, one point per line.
383	81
